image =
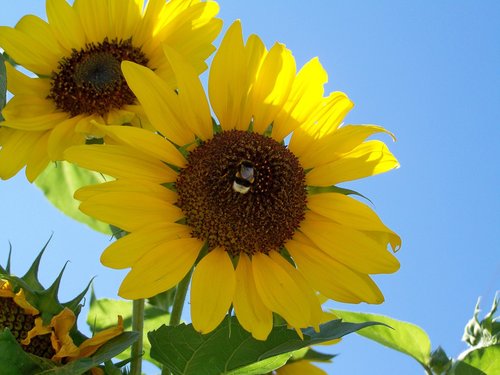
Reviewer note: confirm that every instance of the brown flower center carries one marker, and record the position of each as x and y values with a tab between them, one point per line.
90	81
13	317
243	192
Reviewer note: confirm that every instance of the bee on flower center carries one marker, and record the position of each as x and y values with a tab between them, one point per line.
244	178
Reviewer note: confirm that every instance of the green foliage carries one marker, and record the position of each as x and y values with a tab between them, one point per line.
59	182
479	362
103	313
229	348
15	361
404	337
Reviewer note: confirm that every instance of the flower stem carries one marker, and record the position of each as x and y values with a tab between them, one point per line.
180	296
138	326
178	305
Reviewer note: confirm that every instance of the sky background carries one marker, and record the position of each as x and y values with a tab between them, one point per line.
429	71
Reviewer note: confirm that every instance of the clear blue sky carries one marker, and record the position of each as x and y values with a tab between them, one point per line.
427	70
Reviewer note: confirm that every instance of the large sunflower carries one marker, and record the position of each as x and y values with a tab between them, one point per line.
76	56
261	221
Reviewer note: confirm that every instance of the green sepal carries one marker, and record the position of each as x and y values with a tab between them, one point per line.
229	347
311	190
439	362
31	276
6	270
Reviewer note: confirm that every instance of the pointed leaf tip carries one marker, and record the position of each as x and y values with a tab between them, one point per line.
31	276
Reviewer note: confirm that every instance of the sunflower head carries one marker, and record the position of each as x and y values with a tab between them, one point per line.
249	199
41	324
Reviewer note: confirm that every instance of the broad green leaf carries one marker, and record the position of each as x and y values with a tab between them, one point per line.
481	361
404	337
229	347
59	182
103	312
14	360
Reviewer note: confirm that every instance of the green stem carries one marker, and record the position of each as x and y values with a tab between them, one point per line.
180	296
178	305
138	326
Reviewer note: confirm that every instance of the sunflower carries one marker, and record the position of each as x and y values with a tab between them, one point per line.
76	57
50	340
262	222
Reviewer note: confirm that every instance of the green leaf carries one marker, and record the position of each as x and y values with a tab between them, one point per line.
404	337
103	314
229	347
109	350
59	182
263	367
14	360
3	84
481	361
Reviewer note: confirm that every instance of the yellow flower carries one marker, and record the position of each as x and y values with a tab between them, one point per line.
52	340
76	56
235	200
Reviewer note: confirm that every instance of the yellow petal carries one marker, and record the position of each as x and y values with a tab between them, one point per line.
90	346
272	87
161	268
160	103
368	159
332	146
120	162
129	210
251	312
62	137
192	32
306	95
125	17
65	24
38	329
128	250
32	113
351	212
127	185
212	290
227	82
300	367
192	99
20	84
63	344
94	17
280	292
332	278
350	247
147	142
17	148
25	48
326	119
38	158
